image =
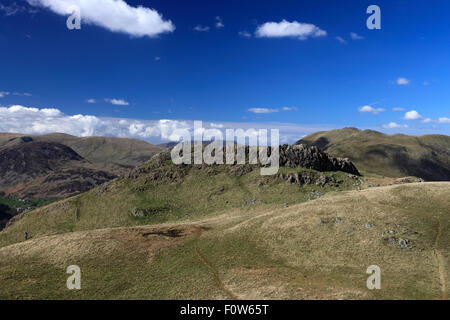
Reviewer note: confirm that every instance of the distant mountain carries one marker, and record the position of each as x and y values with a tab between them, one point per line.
37	169
107	151
398	155
171	144
168	145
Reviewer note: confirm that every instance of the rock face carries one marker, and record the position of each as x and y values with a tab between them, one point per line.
294	156
312	158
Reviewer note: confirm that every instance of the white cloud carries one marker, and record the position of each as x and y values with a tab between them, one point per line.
201	28
245	34
14	8
402	81
113	15
271	110
370	109
393	125
24	94
3	94
289	109
91	101
28	120
293	29
262	110
216	125
425	83
341	40
37	121
219	22
412	115
428	120
444	120
355	36
398	109
118	102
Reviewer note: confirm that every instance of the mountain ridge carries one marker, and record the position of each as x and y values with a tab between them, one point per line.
397	155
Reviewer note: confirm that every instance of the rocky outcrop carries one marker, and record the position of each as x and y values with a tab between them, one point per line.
295	156
312	158
310	178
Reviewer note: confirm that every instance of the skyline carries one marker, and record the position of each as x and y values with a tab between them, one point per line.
300	67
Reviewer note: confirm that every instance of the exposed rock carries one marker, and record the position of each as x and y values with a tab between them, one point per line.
240	170
303	156
138	213
309	178
253	201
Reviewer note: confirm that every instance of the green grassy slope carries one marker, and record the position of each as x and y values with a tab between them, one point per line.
169	193
427	157
318	249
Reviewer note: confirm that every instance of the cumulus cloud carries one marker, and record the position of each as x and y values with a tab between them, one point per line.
355	36
201	28
3	94
28	120
412	115
341	40
47	120
370	109
91	101
293	29
113	15
118	102
402	81
394	125
38	121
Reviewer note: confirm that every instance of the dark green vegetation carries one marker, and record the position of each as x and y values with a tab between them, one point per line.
398	155
11	206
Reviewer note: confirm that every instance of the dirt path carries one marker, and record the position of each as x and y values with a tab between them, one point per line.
198	234
440	261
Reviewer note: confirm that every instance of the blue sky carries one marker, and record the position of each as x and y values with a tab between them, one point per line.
228	73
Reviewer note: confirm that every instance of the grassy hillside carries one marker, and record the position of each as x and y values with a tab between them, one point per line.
318	249
427	157
162	192
98	150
